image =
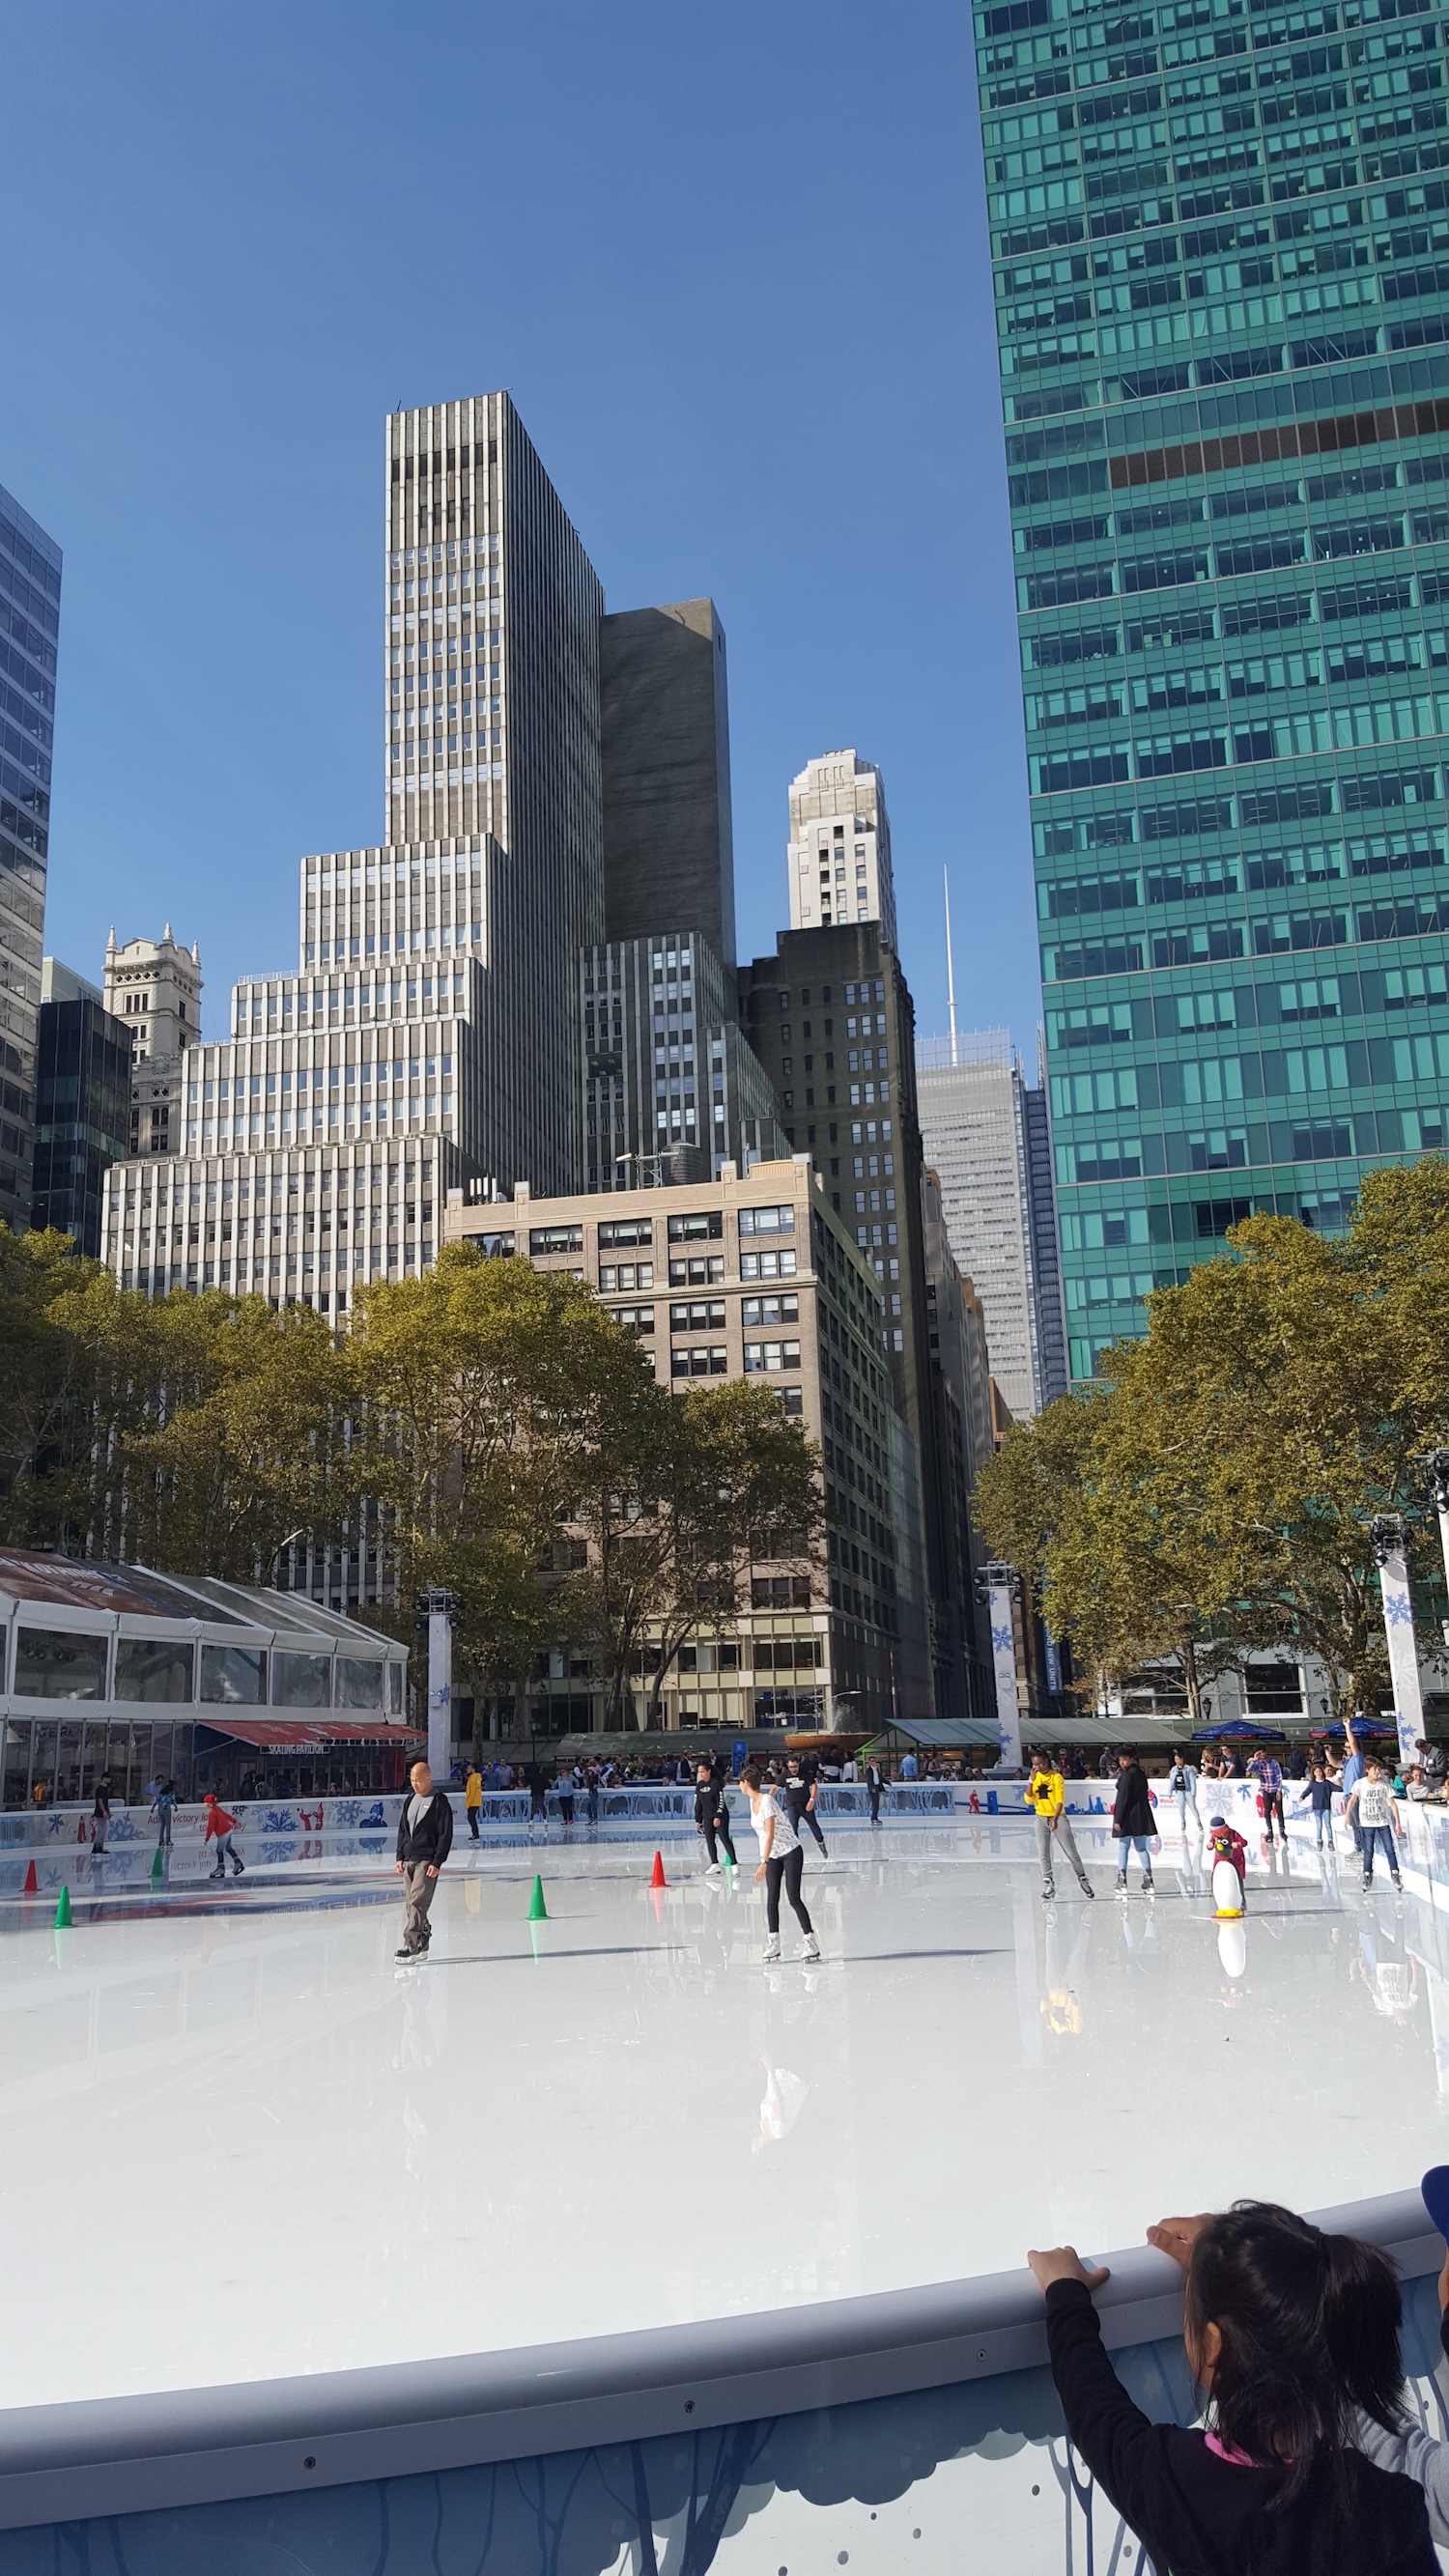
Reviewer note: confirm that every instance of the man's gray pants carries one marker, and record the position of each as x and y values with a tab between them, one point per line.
418	1891
1049	1844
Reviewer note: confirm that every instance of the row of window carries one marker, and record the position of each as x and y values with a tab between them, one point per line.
762	1359
1210	943
1320	997
705	1315
1222	1149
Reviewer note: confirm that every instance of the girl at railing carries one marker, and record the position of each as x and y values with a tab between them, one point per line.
1294	2337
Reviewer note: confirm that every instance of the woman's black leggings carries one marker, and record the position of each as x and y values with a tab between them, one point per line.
787	1867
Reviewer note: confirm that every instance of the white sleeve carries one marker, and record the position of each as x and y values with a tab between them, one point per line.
1416	2455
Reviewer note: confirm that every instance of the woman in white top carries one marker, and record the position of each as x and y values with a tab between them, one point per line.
781	1862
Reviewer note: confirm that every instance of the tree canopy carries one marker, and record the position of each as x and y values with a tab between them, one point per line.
1212	1491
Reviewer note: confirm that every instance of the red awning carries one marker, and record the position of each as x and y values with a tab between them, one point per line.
306	1735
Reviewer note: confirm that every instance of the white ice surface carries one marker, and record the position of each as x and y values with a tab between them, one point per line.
238	2141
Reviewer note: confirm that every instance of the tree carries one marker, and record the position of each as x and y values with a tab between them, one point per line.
1233	1460
488	1394
723	1475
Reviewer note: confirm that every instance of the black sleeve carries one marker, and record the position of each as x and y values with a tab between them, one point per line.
445	1832
402	1828
1123	2449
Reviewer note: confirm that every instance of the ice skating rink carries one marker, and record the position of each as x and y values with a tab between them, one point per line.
239	2141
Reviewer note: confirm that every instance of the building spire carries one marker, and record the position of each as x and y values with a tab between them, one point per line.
950	968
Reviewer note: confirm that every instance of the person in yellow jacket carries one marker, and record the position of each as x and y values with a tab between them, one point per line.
473	1798
1046	1795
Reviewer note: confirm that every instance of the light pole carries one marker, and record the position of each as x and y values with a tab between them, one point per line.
1435	1464
1389	1541
999	1586
438	1612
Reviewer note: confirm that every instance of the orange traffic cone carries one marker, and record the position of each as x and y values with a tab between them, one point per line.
659	1879
32	1883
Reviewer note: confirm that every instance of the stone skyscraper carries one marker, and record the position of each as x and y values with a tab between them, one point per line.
840	846
29	630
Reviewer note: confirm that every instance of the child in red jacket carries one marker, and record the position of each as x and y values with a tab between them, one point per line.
221	1826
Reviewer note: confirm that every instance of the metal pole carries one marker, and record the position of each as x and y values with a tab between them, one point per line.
440	1692
950	966
1436	1467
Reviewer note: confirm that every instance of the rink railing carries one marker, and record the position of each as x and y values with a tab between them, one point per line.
924	2412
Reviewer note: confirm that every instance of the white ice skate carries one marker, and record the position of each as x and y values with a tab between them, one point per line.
772	1948
809	1947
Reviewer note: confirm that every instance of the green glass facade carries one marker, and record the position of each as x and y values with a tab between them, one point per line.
1221	247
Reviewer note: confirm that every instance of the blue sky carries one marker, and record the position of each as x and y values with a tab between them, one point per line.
731	264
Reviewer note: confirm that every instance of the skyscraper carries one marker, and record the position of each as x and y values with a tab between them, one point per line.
82	1105
668	834
988	1136
493	736
840	846
29	631
1224	340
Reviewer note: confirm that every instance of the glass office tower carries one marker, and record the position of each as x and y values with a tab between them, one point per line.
1221	245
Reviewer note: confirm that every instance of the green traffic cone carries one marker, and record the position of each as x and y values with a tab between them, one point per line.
156	1869
62	1911
537	1910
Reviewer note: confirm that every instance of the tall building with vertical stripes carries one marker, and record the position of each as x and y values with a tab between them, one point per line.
492	744
1221	244
29	632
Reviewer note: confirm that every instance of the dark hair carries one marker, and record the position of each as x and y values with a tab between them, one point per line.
1310	2331
750	1776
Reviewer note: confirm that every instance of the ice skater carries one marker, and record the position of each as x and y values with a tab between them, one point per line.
1132	1821
1370	1805
801	1790
781	1862
875	1781
1318	1798
712	1815
220	1828
424	1840
100	1819
1182	1790
473	1798
163	1808
1046	1795
1269	1776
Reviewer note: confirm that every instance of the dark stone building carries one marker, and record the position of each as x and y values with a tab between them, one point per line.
668	835
831	1019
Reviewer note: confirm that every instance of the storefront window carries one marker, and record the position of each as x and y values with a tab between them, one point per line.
153	1668
359	1682
56	1663
394	1689
299	1681
234	1676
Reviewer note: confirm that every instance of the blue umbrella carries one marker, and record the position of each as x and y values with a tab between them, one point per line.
1232	1728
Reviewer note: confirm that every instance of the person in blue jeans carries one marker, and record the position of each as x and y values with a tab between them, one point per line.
1318	1796
1352	1773
1373	1805
1133	1822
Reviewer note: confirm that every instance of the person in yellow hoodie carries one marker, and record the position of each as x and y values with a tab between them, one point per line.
1046	1795
473	1798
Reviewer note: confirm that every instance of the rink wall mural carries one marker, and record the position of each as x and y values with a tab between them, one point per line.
890	2484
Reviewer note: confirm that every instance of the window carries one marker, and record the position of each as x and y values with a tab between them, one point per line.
153	1668
767	1220
767	1265
706	1225
59	1663
301	1681
770	1310
359	1682
701	1317
699	1273
627	1274
234	1676
556	1238
768	1357
699	1363
780	1592
633	1319
624	1230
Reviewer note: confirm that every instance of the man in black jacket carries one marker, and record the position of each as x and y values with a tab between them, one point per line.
1132	1821
424	1840
875	1781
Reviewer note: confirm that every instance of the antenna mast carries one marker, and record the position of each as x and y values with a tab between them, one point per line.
950	967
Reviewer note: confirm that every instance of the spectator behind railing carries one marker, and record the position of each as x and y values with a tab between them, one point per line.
1294	2337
